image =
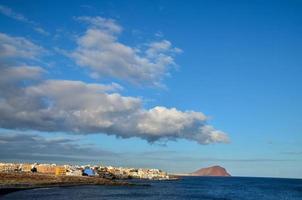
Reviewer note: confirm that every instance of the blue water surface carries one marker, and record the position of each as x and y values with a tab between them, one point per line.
204	188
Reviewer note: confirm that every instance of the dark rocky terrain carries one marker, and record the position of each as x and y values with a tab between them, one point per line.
10	182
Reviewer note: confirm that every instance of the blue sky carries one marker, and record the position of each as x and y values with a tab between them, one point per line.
236	62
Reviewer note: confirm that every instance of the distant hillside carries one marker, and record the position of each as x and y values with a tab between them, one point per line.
211	171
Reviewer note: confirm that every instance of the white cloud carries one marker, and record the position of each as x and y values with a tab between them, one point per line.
28	101
100	51
109	25
161	120
23	73
164	46
82	108
18	47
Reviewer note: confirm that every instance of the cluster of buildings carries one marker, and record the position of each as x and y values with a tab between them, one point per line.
108	172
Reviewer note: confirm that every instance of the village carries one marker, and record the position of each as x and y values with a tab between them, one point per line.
107	172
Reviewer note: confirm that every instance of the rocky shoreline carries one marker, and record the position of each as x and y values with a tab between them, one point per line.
11	182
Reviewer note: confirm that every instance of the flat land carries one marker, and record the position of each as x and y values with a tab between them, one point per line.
10	182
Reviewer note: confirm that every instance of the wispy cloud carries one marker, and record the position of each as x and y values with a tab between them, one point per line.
19	47
41	31
31	147
12	14
292	153
19	17
172	156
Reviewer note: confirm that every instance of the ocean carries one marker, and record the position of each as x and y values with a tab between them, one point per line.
204	188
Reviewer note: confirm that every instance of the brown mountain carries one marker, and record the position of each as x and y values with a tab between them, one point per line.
211	171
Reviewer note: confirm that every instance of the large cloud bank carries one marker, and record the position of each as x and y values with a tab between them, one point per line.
29	101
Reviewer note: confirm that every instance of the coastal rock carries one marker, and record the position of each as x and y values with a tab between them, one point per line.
211	171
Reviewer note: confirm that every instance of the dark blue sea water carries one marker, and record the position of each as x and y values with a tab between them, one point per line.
205	188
